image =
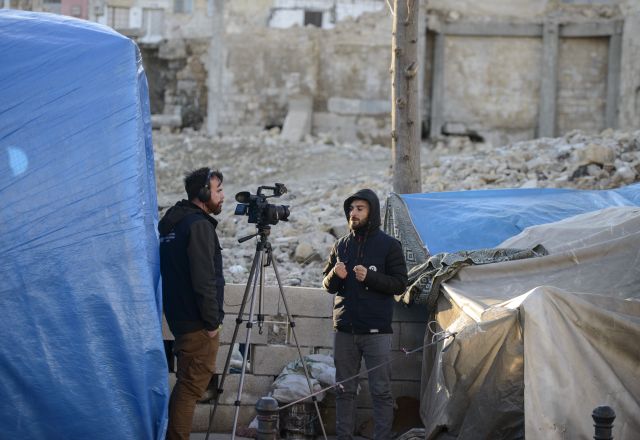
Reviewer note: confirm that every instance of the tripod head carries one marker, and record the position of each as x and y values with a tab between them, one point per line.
263	232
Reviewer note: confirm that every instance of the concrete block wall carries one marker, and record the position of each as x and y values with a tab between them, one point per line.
311	310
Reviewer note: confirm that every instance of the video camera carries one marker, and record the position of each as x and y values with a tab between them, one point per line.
259	211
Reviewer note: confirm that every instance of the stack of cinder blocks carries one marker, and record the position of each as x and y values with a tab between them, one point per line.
272	349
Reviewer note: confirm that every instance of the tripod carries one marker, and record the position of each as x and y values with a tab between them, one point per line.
262	258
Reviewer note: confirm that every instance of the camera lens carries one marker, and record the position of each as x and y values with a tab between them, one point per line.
282	212
274	213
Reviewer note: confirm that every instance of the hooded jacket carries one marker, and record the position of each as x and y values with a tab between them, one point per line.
367	306
191	268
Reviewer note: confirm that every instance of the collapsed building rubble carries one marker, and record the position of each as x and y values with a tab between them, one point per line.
321	172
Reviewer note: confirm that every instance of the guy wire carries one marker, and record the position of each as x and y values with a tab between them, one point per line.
445	335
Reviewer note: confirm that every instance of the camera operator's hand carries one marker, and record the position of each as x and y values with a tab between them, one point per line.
340	269
361	272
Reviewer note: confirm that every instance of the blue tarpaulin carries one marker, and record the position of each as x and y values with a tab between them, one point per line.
468	220
81	354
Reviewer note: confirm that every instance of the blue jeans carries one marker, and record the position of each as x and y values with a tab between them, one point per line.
348	351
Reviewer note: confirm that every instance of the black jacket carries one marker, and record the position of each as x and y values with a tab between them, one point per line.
366	307
191	269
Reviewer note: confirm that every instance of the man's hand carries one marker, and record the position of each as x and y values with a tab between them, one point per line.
361	272
213	333
340	269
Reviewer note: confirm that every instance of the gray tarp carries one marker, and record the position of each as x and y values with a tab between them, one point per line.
541	342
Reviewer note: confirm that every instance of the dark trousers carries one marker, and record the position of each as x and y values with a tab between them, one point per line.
196	354
348	350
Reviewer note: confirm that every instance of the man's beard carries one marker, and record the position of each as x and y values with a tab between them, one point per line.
361	224
213	208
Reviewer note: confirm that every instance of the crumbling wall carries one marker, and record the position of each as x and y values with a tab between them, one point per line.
493	84
495	57
582	84
345	70
177	81
259	77
629	78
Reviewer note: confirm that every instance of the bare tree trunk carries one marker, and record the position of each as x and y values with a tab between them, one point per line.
405	136
215	66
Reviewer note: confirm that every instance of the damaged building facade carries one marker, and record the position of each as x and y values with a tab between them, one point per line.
501	70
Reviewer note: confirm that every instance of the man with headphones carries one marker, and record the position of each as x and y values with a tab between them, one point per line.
192	291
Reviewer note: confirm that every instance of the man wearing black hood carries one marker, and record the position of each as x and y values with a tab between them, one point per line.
365	269
192	292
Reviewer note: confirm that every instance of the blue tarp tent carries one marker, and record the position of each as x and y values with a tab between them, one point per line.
468	220
82	354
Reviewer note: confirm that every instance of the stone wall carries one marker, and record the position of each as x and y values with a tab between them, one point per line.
177	76
311	310
239	74
493	83
345	70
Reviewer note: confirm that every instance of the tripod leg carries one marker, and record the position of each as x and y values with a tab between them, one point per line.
250	282
295	338
260	257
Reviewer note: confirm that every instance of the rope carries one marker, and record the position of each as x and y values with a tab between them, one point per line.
444	335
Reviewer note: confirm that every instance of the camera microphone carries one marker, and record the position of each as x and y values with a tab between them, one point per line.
243	197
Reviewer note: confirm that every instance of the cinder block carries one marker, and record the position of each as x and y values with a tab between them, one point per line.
315	332
253	388
308	302
326	351
304	301
229	326
223	351
271	359
411	335
407	367
223	420
234	294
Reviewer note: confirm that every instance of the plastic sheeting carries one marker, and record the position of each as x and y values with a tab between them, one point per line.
467	220
543	341
82	354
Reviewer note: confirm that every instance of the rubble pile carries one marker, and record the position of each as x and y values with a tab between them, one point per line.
320	173
577	160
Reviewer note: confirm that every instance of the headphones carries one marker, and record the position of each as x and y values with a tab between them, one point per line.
205	192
